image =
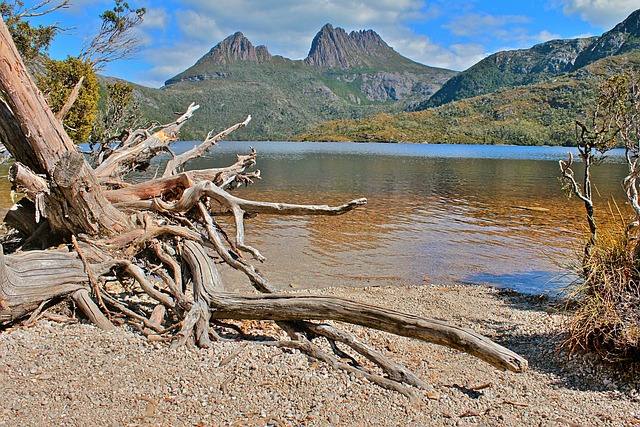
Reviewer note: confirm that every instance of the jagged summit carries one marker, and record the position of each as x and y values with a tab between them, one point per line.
624	37
237	48
334	48
233	49
355	70
389	74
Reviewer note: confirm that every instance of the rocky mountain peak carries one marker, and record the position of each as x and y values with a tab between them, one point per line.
624	37
334	48
631	25
237	48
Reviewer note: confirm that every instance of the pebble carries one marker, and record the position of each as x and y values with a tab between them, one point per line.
56	375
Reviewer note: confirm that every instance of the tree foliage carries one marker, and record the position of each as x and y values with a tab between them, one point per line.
30	40
116	39
115	120
57	83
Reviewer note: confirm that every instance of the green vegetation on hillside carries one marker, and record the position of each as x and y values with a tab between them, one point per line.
538	114
345	76
284	98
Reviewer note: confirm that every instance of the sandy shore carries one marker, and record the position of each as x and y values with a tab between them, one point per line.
75	375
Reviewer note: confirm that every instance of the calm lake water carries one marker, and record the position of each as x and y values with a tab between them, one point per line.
435	213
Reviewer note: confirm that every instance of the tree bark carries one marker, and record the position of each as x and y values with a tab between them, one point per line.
28	279
76	203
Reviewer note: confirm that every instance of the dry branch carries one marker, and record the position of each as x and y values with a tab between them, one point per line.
284	307
199	150
162	235
73	96
137	155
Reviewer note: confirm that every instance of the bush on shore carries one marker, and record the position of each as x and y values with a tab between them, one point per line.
606	300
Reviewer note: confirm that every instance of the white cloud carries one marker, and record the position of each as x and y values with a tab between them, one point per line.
545	36
481	24
421	49
155	18
602	13
183	55
198	27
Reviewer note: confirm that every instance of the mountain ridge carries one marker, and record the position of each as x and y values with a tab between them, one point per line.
332	50
345	75
526	96
537	64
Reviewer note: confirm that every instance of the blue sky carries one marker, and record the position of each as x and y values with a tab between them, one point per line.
452	34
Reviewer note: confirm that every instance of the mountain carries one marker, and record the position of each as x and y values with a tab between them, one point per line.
233	49
345	75
333	48
523	97
541	63
623	38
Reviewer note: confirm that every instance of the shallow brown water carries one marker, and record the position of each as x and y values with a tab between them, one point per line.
498	221
470	214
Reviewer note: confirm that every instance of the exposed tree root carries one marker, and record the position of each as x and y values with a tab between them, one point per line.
148	252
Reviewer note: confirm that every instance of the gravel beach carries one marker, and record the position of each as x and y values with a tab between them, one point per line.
54	374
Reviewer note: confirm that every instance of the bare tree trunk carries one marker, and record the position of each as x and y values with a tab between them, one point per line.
76	202
172	219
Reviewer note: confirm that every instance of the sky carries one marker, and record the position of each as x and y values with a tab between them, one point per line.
452	34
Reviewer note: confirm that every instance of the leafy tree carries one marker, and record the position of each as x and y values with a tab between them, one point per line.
30	40
57	83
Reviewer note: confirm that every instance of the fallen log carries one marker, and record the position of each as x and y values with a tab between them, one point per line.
149	251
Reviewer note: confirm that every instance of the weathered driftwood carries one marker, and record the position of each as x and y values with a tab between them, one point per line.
28	279
50	274
136	153
161	238
199	150
91	310
291	308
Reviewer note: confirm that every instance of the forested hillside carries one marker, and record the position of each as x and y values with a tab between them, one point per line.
524	97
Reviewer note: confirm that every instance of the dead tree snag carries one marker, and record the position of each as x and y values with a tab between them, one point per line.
161	237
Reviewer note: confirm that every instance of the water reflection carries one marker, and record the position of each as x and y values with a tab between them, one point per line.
464	219
471	214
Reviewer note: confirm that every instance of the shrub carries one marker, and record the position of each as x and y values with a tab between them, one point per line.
605	301
607	298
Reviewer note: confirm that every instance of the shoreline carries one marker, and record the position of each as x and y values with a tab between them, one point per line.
56	374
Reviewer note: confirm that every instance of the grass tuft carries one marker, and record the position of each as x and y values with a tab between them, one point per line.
606	300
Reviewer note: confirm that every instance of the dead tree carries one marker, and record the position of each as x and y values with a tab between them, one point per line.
162	234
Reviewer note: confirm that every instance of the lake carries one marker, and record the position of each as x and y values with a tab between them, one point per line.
492	215
475	214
